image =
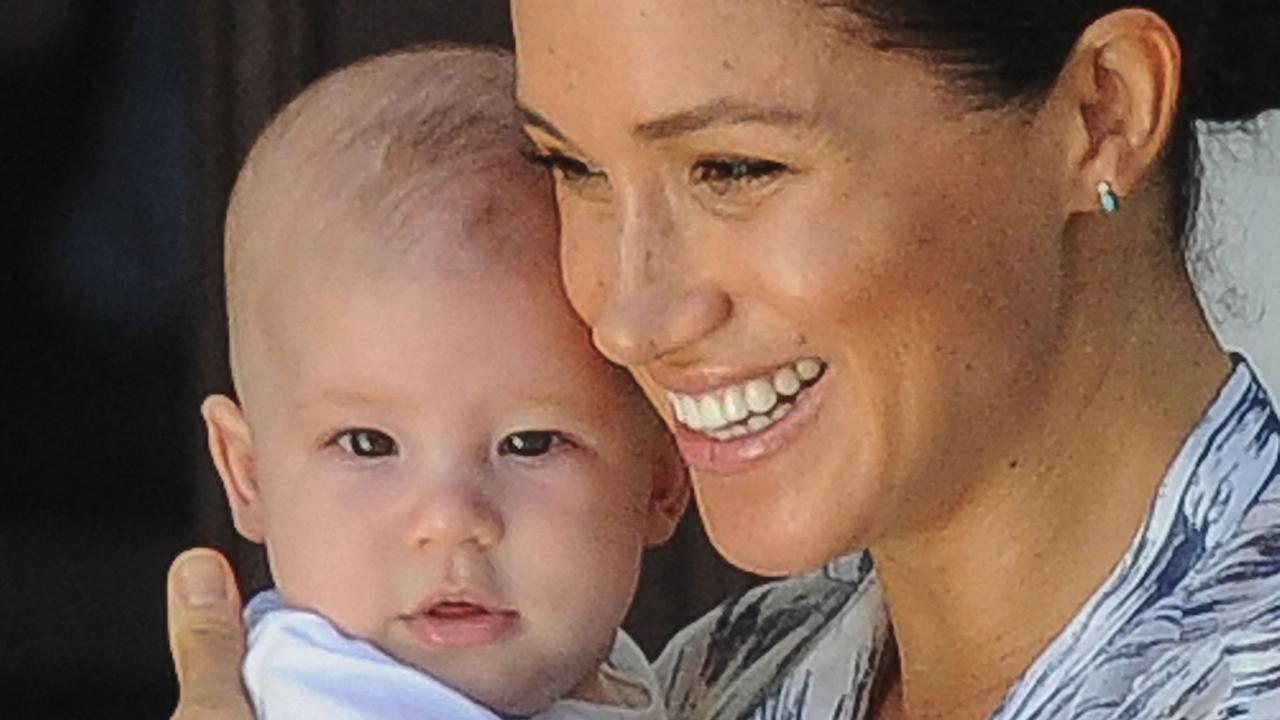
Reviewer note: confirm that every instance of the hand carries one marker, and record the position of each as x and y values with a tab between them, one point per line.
206	638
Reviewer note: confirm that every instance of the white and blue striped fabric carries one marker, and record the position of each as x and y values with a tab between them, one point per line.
1186	628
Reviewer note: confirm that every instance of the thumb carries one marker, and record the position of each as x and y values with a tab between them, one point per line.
206	638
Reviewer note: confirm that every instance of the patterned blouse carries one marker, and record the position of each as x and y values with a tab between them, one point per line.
1187	626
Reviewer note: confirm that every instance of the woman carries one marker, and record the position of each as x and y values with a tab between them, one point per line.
908	278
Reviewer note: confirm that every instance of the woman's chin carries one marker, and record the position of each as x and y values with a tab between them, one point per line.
766	561
774	546
788	518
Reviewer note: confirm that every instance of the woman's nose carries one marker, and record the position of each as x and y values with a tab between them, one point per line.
656	303
455	515
642	323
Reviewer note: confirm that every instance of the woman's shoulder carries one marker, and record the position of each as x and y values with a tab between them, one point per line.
1213	650
1188	626
760	646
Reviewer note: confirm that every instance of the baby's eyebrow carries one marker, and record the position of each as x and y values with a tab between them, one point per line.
340	397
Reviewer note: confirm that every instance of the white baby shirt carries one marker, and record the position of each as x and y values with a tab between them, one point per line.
300	667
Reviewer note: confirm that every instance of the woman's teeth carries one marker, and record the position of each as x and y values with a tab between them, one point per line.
739	410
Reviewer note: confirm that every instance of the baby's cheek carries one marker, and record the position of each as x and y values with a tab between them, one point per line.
616	540
333	565
582	596
584	546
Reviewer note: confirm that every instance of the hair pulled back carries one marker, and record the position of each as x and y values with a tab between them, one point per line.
1005	52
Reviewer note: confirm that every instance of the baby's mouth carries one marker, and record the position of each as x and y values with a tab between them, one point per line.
461	622
450	610
750	407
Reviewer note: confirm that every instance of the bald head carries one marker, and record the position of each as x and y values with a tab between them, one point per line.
404	160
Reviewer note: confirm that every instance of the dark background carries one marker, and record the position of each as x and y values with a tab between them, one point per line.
122	125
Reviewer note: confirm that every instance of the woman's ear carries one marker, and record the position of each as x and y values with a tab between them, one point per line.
231	447
669	496
1121	85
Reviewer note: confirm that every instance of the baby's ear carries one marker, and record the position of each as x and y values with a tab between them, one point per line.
669	496
231	447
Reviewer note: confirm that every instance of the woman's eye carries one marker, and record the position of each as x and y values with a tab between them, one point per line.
567	169
530	443
366	443
725	175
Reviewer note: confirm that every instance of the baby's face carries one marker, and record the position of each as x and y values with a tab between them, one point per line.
445	466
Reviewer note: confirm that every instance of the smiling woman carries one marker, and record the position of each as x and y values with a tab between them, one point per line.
907	282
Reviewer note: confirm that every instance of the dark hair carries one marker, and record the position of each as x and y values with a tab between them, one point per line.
1012	51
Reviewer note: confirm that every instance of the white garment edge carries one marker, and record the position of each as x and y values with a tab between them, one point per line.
299	666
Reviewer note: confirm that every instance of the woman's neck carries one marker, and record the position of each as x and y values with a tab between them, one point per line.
978	594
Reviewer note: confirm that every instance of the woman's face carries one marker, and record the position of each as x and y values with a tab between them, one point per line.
840	285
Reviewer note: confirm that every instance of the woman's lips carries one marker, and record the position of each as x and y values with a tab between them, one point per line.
461	623
739	454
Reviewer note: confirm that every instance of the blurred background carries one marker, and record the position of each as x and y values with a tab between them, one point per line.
122	125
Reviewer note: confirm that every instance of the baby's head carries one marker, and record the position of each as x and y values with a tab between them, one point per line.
433	454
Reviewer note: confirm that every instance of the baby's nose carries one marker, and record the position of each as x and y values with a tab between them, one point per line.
453	516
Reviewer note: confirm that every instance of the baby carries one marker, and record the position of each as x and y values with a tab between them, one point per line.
453	488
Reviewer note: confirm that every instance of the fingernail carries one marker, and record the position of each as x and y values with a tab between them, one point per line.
203	581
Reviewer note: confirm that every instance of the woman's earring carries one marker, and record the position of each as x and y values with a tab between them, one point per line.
1108	198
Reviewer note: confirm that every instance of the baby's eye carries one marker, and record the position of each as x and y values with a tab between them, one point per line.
366	443
725	175
530	443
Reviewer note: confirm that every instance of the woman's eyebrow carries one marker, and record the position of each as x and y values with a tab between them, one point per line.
719	112
534	118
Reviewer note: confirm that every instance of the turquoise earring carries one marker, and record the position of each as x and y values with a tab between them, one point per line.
1108	198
